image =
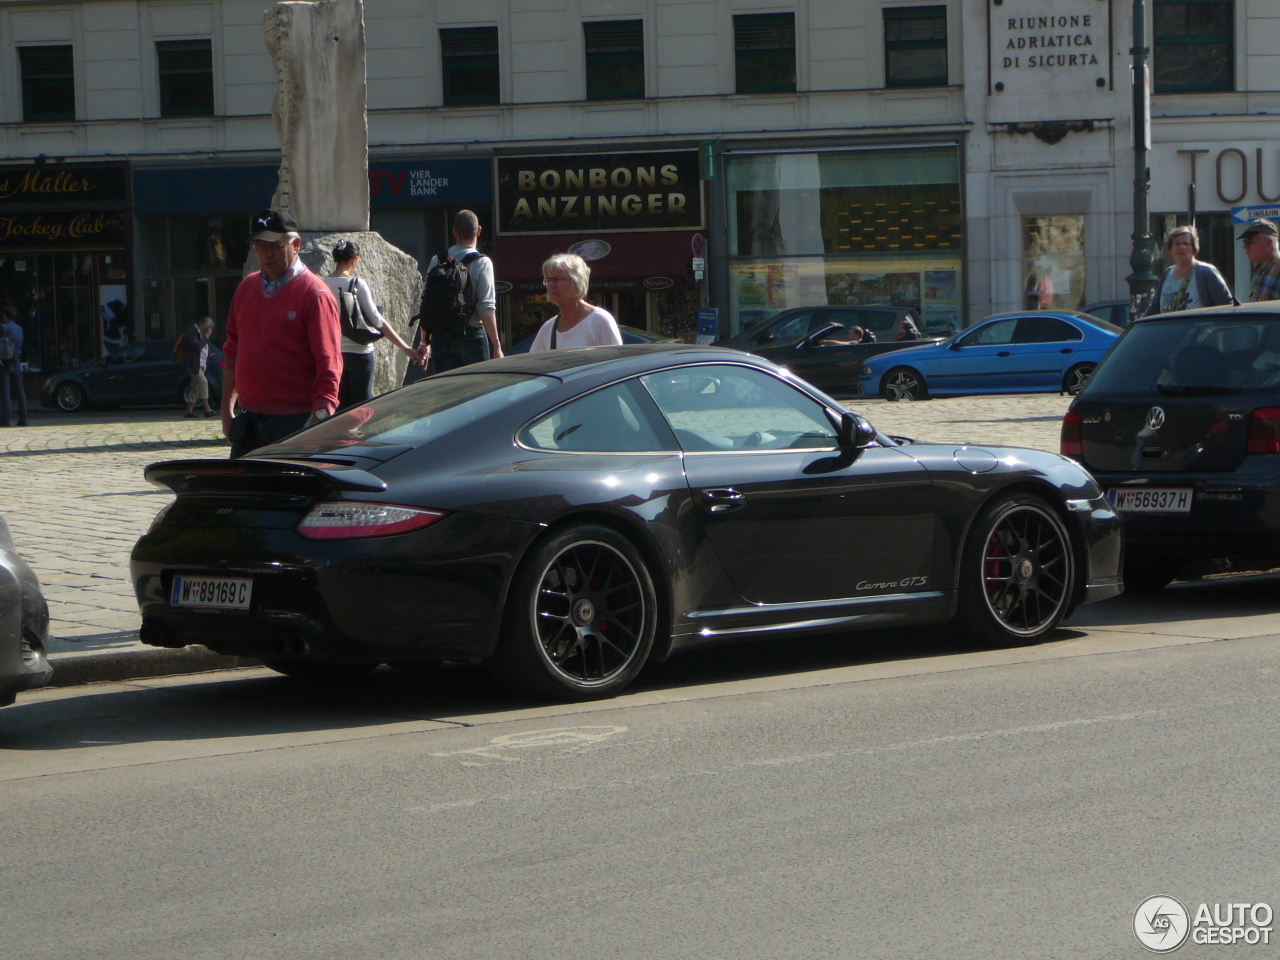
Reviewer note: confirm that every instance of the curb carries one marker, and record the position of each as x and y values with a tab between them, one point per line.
73	670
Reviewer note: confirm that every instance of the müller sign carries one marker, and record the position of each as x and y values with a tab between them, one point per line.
599	193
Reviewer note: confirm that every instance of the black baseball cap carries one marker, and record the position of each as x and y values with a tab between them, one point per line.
271	225
1260	226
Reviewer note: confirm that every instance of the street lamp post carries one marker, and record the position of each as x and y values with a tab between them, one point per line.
1142	282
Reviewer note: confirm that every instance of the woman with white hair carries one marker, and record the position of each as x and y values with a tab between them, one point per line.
579	324
1189	283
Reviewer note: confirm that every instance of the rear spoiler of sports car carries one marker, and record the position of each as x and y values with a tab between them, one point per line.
195	477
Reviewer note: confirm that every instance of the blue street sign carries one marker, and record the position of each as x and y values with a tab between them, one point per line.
1245	214
708	324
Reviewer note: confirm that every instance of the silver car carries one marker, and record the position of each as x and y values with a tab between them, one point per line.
24	625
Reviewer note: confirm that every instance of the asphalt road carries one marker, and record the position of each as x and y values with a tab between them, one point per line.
838	797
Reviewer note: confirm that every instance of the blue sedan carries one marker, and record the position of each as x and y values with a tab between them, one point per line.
1009	353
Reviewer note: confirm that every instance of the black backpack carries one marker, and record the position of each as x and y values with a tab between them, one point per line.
447	299
354	326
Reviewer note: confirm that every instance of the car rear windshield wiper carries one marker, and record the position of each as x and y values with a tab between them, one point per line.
1204	390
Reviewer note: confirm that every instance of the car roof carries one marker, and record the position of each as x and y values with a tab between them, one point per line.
582	361
1220	313
1018	315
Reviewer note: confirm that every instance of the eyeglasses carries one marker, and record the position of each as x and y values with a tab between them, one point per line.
265	245
550	280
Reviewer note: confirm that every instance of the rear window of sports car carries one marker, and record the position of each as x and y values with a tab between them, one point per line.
420	412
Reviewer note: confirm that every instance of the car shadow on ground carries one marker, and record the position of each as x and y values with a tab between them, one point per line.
256	703
1208	599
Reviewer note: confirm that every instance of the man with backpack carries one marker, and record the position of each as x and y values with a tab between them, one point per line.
458	316
11	368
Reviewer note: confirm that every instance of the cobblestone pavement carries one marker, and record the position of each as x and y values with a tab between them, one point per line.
72	491
75	500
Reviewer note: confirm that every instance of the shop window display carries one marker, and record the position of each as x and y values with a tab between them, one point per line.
1053	262
858	228
206	261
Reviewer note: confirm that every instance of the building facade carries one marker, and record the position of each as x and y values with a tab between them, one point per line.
962	157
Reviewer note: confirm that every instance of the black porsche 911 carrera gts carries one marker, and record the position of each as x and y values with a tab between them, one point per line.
568	516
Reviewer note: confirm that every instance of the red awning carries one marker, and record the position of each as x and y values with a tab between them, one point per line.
618	261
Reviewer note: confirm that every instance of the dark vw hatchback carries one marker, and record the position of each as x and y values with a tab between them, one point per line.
1180	424
567	516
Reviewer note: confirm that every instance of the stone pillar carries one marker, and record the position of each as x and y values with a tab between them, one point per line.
393	279
318	50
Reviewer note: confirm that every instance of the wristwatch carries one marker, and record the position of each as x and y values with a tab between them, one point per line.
317	416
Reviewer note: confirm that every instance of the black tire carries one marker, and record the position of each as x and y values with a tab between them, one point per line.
903	383
69	397
1075	379
1017	572
1147	573
580	618
312	672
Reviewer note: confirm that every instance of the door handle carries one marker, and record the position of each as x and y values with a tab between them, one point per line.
1003	353
1066	350
723	500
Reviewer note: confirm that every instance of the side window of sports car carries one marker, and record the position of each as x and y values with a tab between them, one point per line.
796	325
725	407
617	419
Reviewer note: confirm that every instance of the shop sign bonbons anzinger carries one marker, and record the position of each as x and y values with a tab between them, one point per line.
599	193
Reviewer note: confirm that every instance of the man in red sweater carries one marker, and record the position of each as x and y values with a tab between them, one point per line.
284	343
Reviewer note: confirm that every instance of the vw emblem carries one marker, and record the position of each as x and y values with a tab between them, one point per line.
1155	418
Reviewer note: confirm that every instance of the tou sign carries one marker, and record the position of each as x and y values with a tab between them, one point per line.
1055	49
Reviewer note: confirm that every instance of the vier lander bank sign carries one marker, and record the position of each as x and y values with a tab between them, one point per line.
1050	60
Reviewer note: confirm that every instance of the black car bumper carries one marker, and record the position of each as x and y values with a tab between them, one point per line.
1231	514
1103	542
436	593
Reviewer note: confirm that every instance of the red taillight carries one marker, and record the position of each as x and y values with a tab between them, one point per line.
348	519
1264	430
1072	442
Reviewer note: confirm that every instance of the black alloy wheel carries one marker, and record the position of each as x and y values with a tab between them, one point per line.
1018	571
580	619
903	383
69	397
1076	378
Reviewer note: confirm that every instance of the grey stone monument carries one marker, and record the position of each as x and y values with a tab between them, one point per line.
318	49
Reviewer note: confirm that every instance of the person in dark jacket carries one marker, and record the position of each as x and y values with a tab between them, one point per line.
1189	283
195	357
11	370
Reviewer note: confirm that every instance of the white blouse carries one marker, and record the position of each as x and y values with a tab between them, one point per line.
596	329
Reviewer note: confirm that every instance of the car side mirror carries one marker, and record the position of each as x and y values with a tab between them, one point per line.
853	432
820	333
